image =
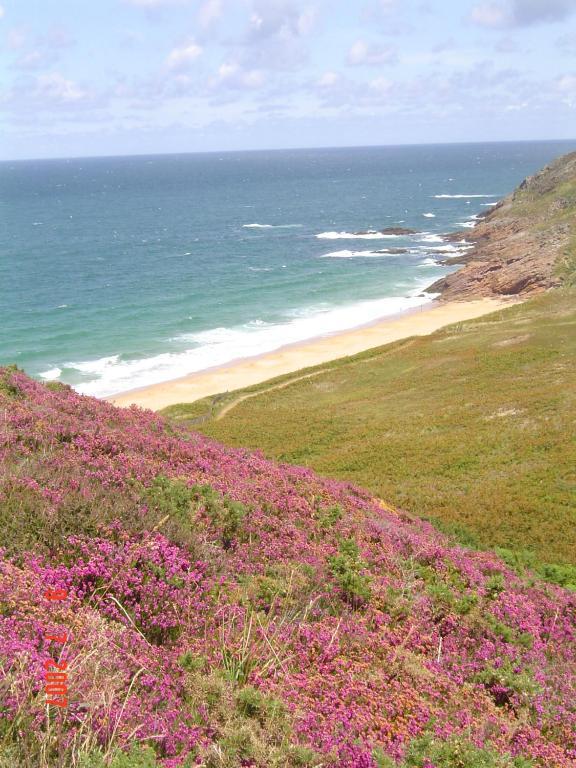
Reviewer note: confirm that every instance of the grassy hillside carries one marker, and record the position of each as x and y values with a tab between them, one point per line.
224	611
472	427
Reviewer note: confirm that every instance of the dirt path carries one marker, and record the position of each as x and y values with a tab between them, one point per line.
234	403
227	408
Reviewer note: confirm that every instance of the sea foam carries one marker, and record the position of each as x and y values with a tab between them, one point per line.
356	254
271	226
370	235
449	248
52	374
460	197
222	345
430	238
97	367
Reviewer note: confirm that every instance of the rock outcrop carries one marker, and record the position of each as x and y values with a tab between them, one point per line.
398	231
526	244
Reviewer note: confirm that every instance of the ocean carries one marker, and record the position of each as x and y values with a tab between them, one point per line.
116	273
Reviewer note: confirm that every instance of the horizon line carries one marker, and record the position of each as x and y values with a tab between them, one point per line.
284	149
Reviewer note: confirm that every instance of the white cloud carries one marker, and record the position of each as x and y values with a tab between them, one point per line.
210	12
56	88
276	37
328	80
31	60
232	76
566	87
16	39
391	17
181	58
387	6
381	85
363	54
517	107
521	13
41	52
2	12
489	15
307	21
567	84
280	18
156	3
227	70
567	43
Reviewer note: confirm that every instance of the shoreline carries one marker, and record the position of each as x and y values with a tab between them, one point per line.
245	372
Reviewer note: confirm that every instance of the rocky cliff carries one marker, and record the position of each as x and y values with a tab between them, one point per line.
526	244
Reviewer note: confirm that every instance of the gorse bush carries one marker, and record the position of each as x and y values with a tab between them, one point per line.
347	568
329	517
457	753
171	497
8	386
524	561
224	513
565	575
137	757
227	611
504	680
495	585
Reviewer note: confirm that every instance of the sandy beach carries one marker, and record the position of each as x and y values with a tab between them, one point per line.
248	371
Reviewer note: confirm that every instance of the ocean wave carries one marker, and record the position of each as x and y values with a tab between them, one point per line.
271	226
430	238
448	248
260	269
52	374
96	367
356	254
222	345
429	215
460	197
466	224
369	235
429	263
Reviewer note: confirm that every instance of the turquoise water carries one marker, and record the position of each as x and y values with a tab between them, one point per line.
120	272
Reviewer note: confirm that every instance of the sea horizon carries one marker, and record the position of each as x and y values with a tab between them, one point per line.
256	150
125	271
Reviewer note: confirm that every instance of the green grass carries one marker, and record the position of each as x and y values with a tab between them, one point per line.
472	427
541	215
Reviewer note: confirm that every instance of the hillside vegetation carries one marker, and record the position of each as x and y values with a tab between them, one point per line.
472	427
227	611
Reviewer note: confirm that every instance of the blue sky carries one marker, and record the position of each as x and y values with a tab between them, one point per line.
79	77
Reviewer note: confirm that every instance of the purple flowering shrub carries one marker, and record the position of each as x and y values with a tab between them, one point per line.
224	610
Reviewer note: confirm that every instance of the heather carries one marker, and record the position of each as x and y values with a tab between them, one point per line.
226	610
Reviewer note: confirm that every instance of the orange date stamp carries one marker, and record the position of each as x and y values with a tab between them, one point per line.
55	672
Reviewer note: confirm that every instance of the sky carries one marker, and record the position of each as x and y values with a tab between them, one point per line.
117	77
